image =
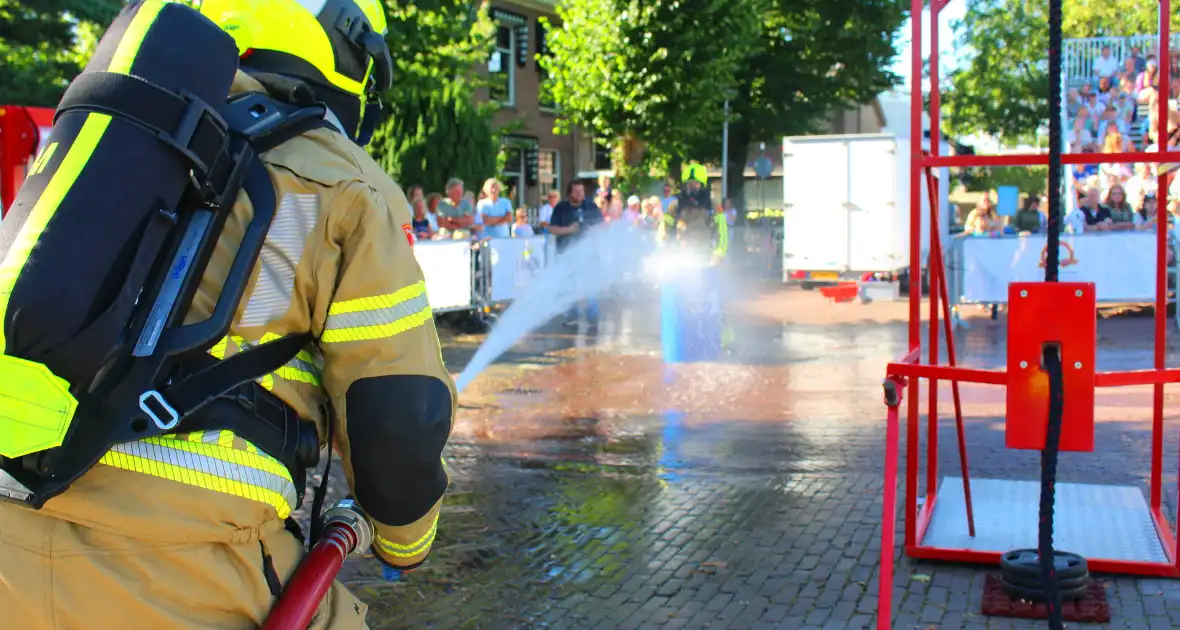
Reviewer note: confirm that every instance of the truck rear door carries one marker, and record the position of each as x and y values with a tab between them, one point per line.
815	213
873	204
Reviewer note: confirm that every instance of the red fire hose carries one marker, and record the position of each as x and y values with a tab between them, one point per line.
346	532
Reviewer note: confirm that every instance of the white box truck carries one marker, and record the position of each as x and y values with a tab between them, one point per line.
846	207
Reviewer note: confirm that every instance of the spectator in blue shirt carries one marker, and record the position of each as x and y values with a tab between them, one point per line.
495	210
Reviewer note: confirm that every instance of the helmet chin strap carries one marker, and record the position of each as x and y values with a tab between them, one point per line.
373	116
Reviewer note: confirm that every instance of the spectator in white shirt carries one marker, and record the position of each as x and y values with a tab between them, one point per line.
1075	222
494	211
1105	65
546	211
521	228
630	215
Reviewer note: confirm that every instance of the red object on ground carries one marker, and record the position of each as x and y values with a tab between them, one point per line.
1092	608
313	578
1061	313
22	131
843	292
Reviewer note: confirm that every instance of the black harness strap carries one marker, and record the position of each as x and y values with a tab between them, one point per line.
183	121
193	392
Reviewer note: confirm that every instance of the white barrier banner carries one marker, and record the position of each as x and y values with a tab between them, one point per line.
447	268
515	262
1121	265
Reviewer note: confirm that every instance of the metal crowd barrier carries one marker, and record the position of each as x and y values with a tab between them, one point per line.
981	275
478	275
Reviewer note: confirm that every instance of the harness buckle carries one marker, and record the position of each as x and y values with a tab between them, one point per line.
152	400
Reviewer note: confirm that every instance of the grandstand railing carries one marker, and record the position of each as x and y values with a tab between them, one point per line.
1080	53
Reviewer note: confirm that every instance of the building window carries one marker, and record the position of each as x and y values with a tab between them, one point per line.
601	157
502	67
513	175
548	172
545	85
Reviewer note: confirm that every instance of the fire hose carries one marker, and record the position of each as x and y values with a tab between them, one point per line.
346	533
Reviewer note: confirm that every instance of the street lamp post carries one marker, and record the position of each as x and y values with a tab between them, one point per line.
725	153
725	147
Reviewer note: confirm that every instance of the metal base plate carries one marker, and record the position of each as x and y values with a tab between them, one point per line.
1095	521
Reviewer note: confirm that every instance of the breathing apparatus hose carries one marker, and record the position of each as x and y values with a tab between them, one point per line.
1051	355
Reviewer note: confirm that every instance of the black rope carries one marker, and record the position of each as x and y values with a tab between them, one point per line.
1051	356
1052	364
1053	223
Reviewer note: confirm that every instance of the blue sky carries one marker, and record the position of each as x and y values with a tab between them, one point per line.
954	10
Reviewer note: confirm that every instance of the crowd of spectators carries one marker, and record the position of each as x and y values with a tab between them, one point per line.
1115	109
457	213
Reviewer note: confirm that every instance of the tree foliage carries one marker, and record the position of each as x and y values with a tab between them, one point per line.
1002	87
1030	180
436	136
1097	18
45	43
814	58
656	70
433	131
437	43
661	70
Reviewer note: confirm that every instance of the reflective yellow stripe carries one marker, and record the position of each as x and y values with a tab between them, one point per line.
43	159
193	461
55	191
129	45
378	317
380	302
218	350
395	550
722	236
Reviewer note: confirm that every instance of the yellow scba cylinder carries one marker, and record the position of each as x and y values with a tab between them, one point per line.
35	407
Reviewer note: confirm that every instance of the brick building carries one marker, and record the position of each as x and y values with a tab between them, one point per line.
538	159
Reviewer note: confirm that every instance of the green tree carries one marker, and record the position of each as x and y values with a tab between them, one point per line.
656	70
432	130
437	43
1096	18
45	43
813	58
435	136
1002	87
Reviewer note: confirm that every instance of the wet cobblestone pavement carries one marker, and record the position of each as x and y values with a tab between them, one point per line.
594	487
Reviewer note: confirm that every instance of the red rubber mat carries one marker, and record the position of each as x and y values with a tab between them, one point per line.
1090	609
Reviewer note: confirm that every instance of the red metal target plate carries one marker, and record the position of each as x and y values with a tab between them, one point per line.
1041	313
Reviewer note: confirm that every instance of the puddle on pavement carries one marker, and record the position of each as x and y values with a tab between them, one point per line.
578	469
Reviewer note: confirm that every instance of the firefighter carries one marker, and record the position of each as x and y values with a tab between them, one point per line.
692	223
187	531
691	220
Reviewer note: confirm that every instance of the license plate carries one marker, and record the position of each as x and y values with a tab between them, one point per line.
824	275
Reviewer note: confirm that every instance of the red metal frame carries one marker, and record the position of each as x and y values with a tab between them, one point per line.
909	368
20	132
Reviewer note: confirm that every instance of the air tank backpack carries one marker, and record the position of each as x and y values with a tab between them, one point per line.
108	240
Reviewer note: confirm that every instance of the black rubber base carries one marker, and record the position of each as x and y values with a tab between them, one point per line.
1021	575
